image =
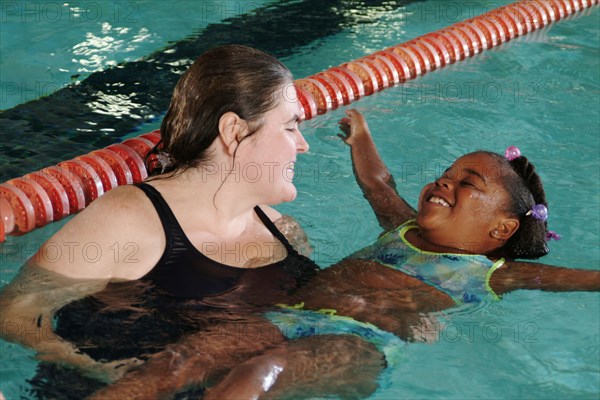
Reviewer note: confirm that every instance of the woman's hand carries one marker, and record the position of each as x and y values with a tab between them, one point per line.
104	371
354	126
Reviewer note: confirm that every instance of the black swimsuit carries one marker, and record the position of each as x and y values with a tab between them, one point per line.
184	272
185	292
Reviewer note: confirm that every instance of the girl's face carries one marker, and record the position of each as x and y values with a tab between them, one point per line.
465	208
267	158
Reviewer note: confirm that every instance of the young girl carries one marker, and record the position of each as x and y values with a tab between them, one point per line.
458	247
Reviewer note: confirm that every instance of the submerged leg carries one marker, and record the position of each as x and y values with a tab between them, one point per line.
343	365
194	360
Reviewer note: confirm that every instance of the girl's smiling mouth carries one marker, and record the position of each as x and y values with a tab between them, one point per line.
438	200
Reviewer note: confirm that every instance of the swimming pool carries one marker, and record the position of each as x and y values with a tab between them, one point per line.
539	93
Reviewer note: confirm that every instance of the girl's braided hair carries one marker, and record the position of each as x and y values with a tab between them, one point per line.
525	190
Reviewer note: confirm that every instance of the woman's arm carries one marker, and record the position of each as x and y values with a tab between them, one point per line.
28	304
372	175
515	275
97	246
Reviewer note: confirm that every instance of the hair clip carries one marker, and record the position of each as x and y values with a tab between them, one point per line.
539	212
512	152
551	235
165	160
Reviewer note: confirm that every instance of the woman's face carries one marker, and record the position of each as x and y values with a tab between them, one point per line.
267	158
463	207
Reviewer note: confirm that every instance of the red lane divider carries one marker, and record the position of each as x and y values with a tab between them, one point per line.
103	169
21	210
42	206
90	180
54	192
73	186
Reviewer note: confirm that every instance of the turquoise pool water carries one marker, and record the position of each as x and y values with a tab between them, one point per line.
540	93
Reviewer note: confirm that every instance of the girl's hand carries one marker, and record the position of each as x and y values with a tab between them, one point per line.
354	126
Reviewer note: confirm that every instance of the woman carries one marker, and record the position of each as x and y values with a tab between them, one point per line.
201	229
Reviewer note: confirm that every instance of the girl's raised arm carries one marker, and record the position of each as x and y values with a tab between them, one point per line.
372	175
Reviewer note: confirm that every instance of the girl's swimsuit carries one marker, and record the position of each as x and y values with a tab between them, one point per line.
464	277
294	323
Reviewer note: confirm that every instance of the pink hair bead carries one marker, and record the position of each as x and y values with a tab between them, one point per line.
512	152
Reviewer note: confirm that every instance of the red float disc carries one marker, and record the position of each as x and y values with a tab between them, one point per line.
433	54
318	92
476	38
343	85
22	208
467	37
567	5
117	165
511	25
72	184
42	206
56	192
520	15
393	77
92	184
153	136
335	93
462	45
450	43
421	56
7	219
518	27
482	34
502	26
575	4
380	74
106	174
559	10
411	60
534	20
549	10
134	161
153	164
401	65
366	75
307	102
440	48
141	145
538	14
492	33
357	84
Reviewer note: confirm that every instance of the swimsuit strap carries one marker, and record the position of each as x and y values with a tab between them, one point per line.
173	230
273	229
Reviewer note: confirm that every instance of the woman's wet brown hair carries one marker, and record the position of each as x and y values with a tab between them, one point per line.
228	78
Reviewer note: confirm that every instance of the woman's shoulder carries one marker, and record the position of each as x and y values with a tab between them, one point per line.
291	229
120	222
125	206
